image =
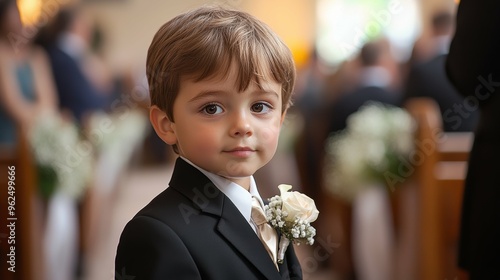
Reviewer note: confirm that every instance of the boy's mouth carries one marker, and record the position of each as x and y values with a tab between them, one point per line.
240	151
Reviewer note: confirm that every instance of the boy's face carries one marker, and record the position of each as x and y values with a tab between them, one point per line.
224	131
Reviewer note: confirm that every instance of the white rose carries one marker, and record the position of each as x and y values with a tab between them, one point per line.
297	205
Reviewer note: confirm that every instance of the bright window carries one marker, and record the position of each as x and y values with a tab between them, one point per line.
345	25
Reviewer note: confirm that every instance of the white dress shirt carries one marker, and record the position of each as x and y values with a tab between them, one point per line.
240	197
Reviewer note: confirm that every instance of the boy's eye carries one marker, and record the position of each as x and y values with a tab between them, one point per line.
261	107
212	109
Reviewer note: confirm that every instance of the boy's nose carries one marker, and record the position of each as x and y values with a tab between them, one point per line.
241	125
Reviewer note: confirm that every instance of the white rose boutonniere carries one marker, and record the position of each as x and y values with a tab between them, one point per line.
291	213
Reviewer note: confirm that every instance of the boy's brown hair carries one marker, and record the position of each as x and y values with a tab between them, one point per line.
204	42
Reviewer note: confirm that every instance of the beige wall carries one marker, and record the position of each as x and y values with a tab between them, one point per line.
129	25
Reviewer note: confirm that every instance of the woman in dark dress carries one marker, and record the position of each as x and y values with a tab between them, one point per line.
473	66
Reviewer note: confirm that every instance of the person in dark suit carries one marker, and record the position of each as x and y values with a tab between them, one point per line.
67	42
374	84
473	66
220	84
428	79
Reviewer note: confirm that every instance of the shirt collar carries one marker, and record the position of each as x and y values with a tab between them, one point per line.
241	198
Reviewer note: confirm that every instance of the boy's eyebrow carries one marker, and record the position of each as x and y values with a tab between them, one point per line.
266	92
272	92
210	93
206	93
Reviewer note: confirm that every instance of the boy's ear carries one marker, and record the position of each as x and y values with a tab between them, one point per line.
162	125
283	115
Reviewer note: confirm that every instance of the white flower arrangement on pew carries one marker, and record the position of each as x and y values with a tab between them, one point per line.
377	140
291	213
56	145
65	157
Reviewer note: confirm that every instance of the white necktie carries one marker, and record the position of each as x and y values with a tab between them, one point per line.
265	231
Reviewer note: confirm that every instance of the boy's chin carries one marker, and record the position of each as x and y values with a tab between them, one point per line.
237	170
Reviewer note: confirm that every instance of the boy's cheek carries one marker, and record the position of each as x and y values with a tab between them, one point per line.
269	135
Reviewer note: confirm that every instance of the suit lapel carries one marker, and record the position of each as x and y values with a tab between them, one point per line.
232	225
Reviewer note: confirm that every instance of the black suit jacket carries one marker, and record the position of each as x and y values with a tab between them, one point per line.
473	65
193	231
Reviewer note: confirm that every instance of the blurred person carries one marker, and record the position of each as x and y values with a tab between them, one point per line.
473	66
428	79
83	83
375	81
26	84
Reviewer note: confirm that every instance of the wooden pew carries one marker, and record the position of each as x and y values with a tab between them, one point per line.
439	179
28	230
426	208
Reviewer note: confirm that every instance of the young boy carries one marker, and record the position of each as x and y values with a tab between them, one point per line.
220	83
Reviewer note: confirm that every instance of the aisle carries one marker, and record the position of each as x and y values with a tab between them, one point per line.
138	187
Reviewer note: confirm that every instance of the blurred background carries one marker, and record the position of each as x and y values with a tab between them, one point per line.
74	125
